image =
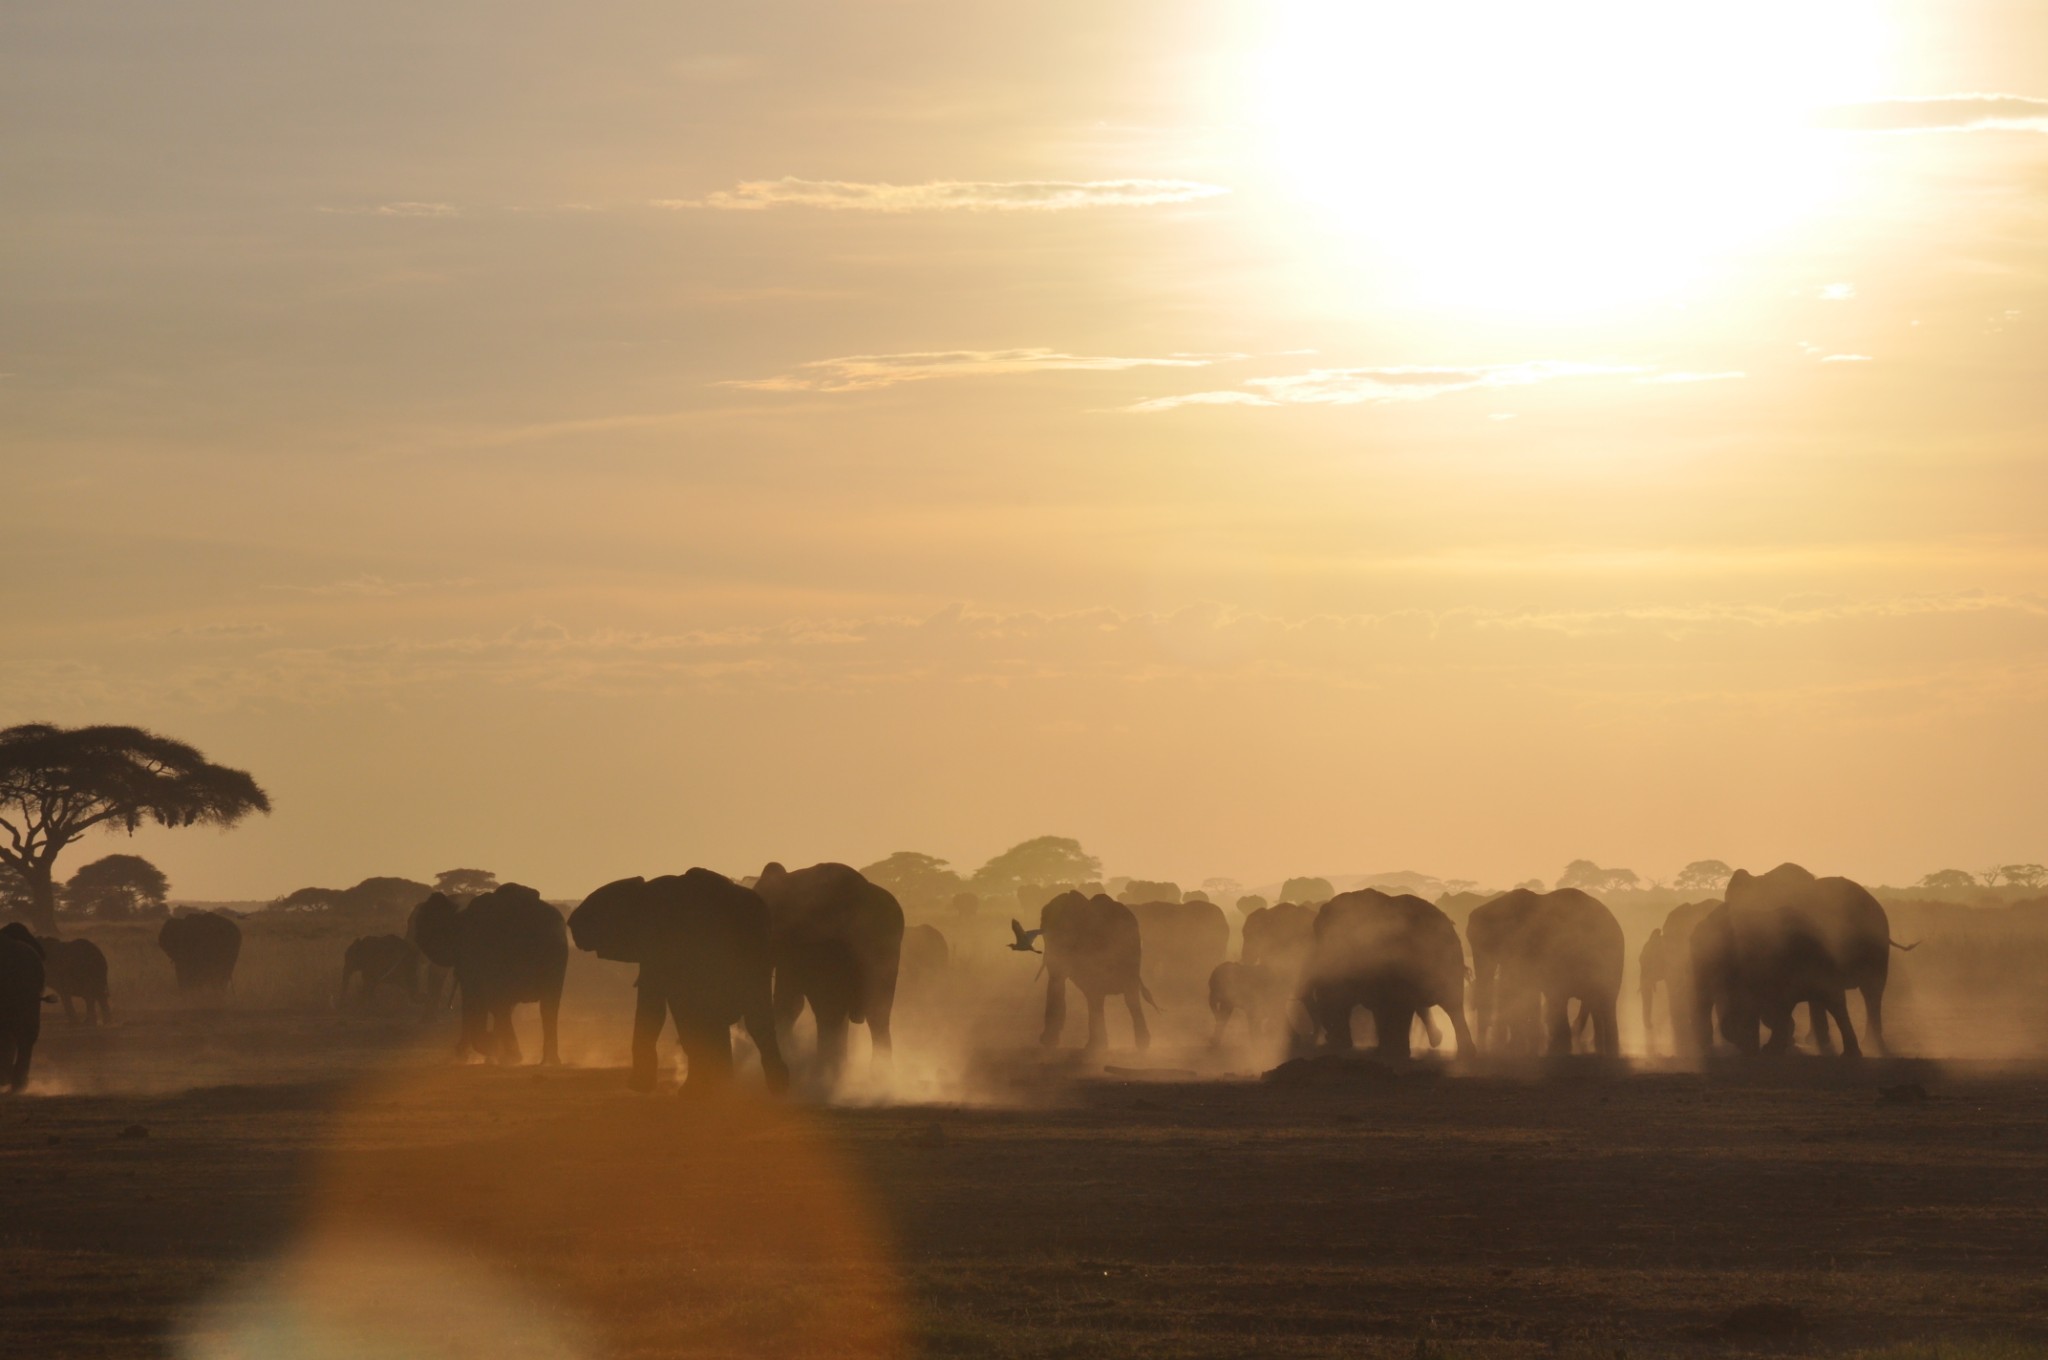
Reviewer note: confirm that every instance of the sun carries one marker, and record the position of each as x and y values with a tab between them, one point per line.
1558	157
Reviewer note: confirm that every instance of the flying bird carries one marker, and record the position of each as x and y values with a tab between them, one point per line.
1024	937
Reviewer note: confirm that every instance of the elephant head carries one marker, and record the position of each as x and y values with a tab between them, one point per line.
618	921
435	927
15	930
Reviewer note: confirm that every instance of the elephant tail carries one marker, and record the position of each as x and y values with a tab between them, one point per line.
1146	992
1902	948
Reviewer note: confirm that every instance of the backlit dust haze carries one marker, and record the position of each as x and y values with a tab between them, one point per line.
1252	439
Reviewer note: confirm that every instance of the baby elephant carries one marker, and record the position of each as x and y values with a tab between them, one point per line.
77	970
1257	989
381	960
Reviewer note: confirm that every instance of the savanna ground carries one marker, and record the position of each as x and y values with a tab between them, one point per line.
256	1180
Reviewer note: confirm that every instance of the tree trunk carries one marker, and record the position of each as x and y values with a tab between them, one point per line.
42	899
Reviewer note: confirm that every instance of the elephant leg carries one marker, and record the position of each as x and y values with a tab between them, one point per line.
1560	1016
1055	1008
1222	1009
476	1030
879	1037
831	1042
1459	1030
1607	1027
707	1046
1649	1027
550	1012
17	1076
650	1013
70	1017
504	1038
1098	1027
1430	1030
1838	1007
1873	1017
760	1022
1391	1030
1817	1021
1336	1023
1141	1033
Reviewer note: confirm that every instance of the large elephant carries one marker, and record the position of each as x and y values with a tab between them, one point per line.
380	961
1279	936
1094	943
76	970
1666	960
837	942
505	949
203	947
1533	954
1784	939
1184	941
21	1002
1396	956
702	943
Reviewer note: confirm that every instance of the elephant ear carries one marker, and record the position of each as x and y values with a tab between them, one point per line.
1737	885
433	928
15	930
616	921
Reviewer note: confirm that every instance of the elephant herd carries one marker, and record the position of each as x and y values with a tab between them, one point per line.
1545	973
1545	968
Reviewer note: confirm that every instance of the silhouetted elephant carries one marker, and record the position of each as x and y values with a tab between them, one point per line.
1783	939
1280	936
203	947
439	984
1667	960
77	970
381	960
21	1002
926	955
1260	990
837	941
505	949
701	941
1533	954
1184	941
1396	956
1094	943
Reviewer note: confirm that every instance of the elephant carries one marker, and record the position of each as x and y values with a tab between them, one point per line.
1396	956
1783	939
505	948
203	947
837	943
1533	954
77	970
702	943
926	955
21	1002
1094	943
1260	990
1183	941
1280	936
381	959
1667	959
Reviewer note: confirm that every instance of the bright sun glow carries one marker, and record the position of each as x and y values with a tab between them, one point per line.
1559	157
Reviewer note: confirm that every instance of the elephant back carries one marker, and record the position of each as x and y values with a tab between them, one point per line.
22	975
1279	936
1183	941
511	936
1095	940
1369	938
203	947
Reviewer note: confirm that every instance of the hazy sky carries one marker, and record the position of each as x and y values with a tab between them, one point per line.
1254	439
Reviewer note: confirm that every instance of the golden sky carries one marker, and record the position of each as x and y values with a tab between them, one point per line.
1254	439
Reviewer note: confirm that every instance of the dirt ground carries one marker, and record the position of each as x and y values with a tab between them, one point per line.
300	1183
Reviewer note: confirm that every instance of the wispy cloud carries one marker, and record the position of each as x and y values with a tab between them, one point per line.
1847	359
1681	376
401	209
1375	386
1941	113
865	372
950	195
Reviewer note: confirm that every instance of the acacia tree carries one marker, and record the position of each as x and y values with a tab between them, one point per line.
1587	876
916	879
2024	875
1709	875
1046	859
461	885
58	783
117	887
1949	880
